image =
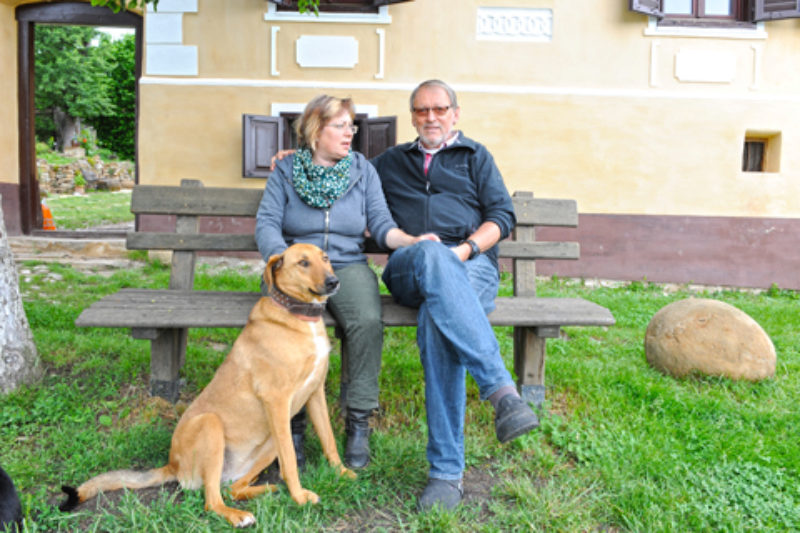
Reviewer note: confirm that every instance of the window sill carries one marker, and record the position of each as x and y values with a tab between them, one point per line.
708	32
382	17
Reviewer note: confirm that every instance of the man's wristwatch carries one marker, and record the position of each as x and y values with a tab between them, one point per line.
474	248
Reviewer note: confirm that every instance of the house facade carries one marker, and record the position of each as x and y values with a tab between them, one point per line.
671	122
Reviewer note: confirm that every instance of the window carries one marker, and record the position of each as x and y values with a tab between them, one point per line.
762	151
716	12
263	136
340	6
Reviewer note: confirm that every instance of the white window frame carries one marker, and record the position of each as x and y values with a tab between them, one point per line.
382	17
653	29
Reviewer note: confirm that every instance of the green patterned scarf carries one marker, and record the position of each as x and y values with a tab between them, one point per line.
316	185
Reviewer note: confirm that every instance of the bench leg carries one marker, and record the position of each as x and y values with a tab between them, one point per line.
167	353
529	355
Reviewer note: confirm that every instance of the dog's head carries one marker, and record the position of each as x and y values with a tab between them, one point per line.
303	272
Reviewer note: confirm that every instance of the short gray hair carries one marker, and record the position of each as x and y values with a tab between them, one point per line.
434	83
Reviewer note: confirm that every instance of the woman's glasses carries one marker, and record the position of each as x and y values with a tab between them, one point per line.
345	125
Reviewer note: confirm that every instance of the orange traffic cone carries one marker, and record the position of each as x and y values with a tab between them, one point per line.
47	218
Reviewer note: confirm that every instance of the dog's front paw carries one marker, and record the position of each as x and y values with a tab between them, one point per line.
239	518
344	471
304	496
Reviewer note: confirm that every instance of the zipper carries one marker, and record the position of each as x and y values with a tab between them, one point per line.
327	229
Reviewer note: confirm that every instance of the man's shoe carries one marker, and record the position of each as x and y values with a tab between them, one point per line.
299	438
513	417
442	492
356	451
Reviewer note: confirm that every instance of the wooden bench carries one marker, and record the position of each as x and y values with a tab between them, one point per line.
164	315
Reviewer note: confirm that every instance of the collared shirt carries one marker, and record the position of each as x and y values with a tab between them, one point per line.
430	152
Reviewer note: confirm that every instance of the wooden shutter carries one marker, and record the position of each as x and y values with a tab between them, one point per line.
377	3
648	7
775	9
375	135
262	137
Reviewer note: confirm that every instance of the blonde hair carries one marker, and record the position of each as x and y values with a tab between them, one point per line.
317	113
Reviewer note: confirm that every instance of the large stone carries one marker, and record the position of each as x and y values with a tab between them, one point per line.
708	337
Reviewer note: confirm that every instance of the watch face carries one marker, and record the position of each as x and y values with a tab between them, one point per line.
475	249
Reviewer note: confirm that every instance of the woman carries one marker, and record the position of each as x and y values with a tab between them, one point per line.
328	195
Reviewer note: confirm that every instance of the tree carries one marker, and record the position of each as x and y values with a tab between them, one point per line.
117	132
71	80
19	360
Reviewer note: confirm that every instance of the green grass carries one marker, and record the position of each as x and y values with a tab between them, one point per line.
94	209
621	446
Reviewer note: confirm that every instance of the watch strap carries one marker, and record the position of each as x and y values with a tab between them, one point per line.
475	250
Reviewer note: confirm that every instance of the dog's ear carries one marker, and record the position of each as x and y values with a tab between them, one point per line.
273	264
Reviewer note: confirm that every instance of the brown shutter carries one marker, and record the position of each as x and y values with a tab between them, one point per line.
375	135
775	9
262	137
648	7
377	3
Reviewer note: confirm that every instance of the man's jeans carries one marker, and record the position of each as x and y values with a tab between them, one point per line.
453	336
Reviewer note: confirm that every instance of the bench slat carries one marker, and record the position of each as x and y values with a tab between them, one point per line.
191	242
546	212
540	250
218	201
152	308
201	201
246	242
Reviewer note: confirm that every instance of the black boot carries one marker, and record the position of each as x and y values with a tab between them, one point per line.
356	452
298	437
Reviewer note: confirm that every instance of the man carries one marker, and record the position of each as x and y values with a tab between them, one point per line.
447	184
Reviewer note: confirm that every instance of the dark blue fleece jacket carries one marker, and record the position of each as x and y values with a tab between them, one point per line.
462	190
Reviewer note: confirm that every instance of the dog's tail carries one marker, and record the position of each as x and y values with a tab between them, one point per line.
115	480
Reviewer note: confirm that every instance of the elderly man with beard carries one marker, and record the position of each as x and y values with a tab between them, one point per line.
447	184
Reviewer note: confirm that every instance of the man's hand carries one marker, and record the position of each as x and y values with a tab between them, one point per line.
277	157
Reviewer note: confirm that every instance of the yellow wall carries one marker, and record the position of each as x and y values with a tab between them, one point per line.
9	157
596	114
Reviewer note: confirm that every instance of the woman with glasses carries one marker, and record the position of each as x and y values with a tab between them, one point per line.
328	195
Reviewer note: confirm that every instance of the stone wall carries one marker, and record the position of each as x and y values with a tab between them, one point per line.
99	175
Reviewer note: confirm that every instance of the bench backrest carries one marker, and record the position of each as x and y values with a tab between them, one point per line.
191	200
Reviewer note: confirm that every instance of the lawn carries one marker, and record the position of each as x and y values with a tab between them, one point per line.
621	446
95	208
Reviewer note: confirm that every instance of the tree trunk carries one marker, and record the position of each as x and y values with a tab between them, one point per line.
68	128
19	360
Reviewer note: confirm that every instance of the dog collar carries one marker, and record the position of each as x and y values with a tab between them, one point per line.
306	310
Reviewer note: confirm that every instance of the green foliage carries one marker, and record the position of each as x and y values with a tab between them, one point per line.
117	5
80	181
116	131
70	76
43	151
304	6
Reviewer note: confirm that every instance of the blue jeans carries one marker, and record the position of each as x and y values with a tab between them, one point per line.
453	335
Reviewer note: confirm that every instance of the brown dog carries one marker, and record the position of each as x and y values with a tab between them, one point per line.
239	424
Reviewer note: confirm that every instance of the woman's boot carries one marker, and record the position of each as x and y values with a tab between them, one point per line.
299	437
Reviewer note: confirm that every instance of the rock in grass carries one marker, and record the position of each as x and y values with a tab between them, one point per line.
711	338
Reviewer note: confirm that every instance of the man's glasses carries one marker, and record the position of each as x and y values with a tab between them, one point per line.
439	111
345	125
